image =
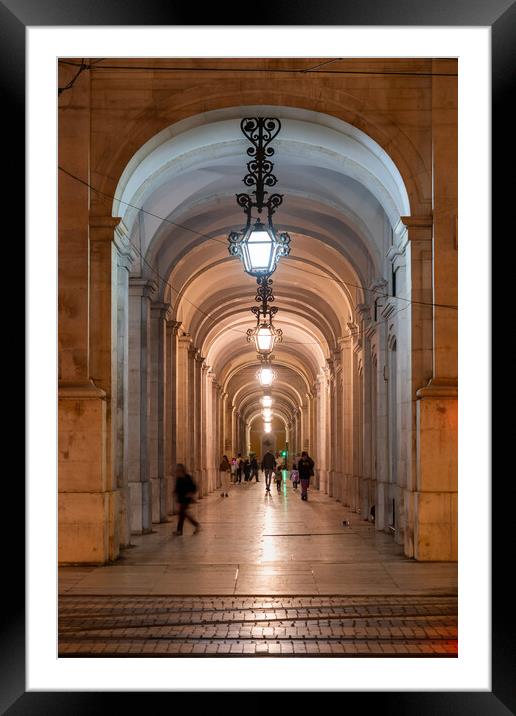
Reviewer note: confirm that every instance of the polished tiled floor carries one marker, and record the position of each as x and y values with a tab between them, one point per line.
252	544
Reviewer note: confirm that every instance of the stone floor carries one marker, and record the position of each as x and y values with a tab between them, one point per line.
267	575
379	626
252	544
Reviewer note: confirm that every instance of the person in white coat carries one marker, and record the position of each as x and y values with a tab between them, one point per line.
225	474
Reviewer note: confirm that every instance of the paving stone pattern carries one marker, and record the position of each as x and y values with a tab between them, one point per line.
108	626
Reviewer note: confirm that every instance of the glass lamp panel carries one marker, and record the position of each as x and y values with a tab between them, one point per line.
267	401
266	376
267	414
260	250
264	339
266	427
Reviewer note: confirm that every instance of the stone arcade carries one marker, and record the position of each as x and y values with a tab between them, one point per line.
154	368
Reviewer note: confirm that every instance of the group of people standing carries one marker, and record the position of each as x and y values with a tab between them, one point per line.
231	471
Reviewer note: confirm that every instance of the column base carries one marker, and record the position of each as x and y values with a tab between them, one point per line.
88	527
89	512
140	507
435	534
435	499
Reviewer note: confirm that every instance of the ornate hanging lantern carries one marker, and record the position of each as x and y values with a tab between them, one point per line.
266	374
258	245
265	335
266	401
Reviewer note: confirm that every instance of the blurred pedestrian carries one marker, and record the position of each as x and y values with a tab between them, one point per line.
225	473
268	465
185	490
305	467
247	470
254	468
294	476
240	467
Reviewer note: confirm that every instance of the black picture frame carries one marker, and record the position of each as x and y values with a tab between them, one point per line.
500	15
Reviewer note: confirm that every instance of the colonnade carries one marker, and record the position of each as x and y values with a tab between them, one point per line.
368	383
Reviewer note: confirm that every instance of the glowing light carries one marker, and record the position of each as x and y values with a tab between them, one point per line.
266	401
266	376
267	414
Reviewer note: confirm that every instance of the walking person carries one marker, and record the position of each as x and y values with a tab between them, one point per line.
225	473
185	490
268	465
254	469
305	467
294	476
240	467
247	470
233	469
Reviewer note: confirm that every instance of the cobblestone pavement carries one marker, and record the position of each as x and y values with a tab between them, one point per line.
210	626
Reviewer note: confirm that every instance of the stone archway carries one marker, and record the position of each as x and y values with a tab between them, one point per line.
181	389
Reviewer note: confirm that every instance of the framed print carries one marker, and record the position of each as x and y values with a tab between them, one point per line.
270	274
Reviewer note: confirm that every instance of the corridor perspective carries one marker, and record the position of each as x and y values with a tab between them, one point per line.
315	326
273	563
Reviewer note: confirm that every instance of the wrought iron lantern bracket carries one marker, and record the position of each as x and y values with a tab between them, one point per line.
260	131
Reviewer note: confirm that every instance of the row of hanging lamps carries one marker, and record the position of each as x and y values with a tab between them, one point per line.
259	245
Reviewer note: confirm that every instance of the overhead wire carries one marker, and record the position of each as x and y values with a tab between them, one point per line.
201	234
166	282
281	70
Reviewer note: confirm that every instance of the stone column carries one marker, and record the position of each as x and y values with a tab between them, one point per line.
183	390
172	412
347	412
332	426
193	437
157	419
228	426
234	428
314	419
435	500
204	423
363	318
83	501
125	261
338	428
103	349
140	293
199	438
382	433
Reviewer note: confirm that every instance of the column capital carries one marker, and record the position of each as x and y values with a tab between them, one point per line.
143	287
103	221
173	326
416	228
439	388
160	309
379	288
412	222
363	311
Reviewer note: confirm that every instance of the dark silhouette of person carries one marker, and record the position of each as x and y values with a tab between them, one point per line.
268	465
185	490
254	468
305	468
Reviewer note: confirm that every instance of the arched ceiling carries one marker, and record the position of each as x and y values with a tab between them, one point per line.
343	197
